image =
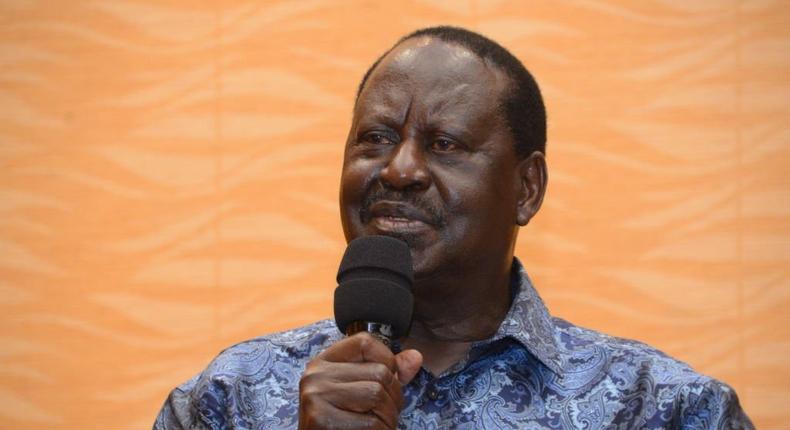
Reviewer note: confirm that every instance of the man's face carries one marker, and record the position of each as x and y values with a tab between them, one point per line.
429	159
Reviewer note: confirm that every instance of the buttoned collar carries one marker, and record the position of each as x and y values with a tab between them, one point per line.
528	321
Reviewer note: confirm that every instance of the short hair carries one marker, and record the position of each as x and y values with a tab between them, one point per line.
522	106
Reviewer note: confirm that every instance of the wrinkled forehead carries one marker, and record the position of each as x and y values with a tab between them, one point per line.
433	71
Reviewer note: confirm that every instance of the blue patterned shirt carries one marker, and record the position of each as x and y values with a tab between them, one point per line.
536	372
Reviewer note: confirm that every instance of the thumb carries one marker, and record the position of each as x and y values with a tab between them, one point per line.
409	363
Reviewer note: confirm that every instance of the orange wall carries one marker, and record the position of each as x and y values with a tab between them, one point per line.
170	173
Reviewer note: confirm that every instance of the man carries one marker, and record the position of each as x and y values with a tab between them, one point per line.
446	152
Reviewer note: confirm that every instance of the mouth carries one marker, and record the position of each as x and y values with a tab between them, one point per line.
394	217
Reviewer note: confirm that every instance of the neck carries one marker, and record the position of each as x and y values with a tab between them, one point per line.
453	312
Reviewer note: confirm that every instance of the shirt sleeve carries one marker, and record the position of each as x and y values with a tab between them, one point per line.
174	414
714	407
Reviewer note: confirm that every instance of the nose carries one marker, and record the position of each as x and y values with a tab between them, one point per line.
406	169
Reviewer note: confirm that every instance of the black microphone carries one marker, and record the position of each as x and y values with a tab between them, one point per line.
374	288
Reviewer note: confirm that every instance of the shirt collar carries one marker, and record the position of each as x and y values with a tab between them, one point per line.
529	322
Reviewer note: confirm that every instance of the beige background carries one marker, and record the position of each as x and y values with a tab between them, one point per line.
170	173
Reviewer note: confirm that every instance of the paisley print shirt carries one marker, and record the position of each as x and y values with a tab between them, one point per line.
536	372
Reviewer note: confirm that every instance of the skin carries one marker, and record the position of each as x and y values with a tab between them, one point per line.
429	159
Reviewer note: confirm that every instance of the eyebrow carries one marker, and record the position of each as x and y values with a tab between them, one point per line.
376	111
383	118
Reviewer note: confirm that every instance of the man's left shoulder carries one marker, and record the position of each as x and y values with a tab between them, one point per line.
670	391
620	353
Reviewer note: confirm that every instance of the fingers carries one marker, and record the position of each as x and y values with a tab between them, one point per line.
358	404
375	372
326	375
408	363
326	416
354	384
361	347
366	397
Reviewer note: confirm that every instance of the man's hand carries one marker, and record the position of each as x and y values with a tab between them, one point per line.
355	384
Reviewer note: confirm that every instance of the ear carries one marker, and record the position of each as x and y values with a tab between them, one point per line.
533	177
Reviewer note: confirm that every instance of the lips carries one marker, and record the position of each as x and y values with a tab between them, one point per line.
397	217
398	210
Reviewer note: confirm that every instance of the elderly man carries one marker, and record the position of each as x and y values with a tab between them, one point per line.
446	152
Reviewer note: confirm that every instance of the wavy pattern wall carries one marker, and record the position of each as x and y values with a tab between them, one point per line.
170	171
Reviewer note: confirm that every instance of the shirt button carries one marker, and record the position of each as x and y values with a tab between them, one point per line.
433	394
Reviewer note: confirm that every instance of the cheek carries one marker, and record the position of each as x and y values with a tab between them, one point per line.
355	177
478	202
349	198
461	192
354	182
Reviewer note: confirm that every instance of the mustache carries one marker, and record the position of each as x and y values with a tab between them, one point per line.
433	213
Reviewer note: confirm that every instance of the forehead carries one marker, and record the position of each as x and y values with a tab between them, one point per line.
430	73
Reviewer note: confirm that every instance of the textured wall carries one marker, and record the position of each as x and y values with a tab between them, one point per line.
170	172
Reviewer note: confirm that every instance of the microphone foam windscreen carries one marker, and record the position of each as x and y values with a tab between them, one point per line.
375	280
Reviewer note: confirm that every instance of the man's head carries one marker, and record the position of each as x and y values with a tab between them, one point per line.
436	156
522	106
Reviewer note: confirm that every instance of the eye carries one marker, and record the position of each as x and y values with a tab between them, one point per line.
377	138
442	144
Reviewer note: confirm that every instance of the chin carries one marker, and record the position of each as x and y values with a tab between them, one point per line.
415	241
420	245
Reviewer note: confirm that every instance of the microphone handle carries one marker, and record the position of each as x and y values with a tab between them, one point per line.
382	332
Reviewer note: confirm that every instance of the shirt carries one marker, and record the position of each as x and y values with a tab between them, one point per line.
536	372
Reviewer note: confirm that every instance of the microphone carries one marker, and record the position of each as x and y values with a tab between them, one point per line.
374	288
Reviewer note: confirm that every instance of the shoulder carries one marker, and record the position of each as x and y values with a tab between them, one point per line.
712	404
620	354
665	390
257	379
294	346
277	352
